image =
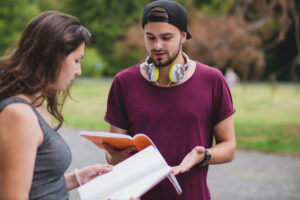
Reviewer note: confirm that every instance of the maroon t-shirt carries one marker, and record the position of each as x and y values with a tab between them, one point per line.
175	118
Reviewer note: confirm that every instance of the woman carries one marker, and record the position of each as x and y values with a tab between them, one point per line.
34	82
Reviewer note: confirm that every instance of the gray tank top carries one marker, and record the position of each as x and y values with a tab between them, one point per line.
52	160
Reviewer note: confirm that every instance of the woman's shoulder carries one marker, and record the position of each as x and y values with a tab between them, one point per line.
18	119
17	111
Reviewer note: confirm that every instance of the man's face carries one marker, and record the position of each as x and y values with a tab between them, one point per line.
163	42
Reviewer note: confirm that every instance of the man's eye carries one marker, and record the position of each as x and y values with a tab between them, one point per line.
151	38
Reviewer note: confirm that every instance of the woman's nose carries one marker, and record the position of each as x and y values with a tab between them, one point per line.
78	71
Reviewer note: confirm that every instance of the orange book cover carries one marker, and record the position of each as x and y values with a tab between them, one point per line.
120	141
140	141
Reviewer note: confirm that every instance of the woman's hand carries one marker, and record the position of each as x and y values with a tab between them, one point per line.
88	173
85	174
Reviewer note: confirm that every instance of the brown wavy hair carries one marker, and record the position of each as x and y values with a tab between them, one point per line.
35	63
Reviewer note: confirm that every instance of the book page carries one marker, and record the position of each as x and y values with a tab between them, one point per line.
105	134
175	183
125	173
140	187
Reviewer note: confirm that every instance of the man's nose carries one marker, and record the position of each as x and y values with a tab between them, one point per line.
158	45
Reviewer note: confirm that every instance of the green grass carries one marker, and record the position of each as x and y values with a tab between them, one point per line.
89	107
266	119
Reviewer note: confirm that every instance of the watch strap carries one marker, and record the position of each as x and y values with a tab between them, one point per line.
206	159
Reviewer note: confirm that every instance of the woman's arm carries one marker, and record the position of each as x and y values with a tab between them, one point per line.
20	136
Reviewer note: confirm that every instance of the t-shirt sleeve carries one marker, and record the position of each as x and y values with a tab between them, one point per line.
223	105
115	111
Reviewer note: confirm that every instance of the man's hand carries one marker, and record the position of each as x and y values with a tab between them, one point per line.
114	155
191	159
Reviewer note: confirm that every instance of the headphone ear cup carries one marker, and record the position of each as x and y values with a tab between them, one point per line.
176	73
153	73
156	74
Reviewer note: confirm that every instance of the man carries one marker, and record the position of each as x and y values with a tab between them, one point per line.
179	103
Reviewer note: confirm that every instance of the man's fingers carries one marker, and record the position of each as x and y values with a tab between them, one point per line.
110	149
131	150
179	170
199	149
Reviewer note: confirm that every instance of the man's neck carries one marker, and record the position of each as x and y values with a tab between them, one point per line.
163	78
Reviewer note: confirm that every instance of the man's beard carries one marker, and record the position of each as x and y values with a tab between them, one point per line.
170	59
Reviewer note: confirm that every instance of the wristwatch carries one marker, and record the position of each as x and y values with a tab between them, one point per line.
206	159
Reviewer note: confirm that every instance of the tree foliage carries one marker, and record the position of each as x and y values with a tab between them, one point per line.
258	38
108	21
14	15
44	5
247	37
225	42
277	24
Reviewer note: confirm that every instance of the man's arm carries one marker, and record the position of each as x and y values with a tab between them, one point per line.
114	129
222	152
113	155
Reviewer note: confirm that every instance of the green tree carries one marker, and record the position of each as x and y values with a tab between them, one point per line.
44	5
113	23
210	7
108	20
14	15
271	27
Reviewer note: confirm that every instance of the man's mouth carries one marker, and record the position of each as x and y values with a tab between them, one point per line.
158	54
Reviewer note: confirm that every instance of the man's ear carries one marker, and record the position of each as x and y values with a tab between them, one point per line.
183	36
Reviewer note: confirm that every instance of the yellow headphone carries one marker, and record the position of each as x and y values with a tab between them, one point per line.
176	72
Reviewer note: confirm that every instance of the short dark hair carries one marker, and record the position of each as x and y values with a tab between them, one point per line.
158	12
35	63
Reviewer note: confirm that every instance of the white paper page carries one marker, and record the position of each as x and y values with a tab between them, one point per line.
130	170
175	183
141	186
105	134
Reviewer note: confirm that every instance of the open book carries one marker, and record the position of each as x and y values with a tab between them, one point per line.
120	141
130	178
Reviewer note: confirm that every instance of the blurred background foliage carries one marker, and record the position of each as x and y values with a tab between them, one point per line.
259	39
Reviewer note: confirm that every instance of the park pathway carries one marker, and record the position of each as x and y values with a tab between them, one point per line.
251	176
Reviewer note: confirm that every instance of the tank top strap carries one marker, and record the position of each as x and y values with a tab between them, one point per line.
10	100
